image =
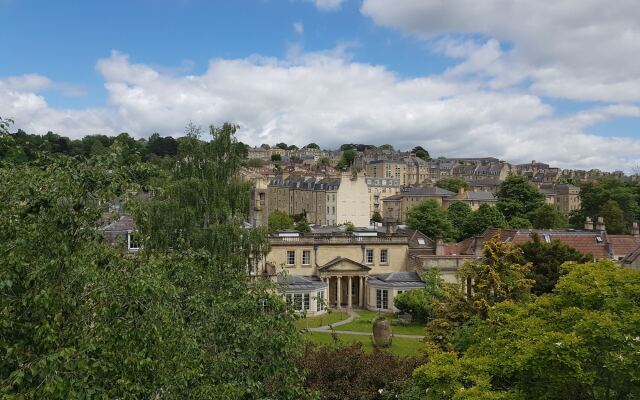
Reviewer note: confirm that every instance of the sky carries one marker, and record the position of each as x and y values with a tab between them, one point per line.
548	80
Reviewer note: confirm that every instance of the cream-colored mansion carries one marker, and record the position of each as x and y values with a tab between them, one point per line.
364	268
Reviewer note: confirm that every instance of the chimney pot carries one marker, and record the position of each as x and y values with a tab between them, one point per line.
600	225
588	224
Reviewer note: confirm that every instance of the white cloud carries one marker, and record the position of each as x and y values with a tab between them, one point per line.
298	27
574	49
329	99
328	5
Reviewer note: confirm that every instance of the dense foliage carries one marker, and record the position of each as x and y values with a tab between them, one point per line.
178	320
580	342
452	184
349	372
517	197
431	219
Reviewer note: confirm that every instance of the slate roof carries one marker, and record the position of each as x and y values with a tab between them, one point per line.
396	279
624	244
420	192
302	283
124	224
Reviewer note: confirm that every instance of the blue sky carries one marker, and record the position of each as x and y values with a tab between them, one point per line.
423	72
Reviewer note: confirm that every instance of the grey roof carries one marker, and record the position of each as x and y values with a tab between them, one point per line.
480	196
420	191
298	282
124	224
396	279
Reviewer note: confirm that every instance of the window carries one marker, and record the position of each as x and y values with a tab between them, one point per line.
369	256
384	256
133	241
320	301
382	299
421	241
306	257
401	291
291	257
289	299
297	301
306	303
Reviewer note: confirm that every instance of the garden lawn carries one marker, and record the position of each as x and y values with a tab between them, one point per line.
364	323
399	346
321	320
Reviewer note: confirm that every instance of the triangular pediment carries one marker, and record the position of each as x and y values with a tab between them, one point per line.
343	265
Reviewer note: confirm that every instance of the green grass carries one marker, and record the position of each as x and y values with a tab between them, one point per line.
364	323
321	320
399	346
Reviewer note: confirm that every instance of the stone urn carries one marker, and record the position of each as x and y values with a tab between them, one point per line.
382	332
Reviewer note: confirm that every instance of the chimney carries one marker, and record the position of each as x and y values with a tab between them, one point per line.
635	230
600	224
439	245
460	192
588	224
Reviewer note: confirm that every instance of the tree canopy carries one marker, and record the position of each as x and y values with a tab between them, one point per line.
452	184
431	219
517	197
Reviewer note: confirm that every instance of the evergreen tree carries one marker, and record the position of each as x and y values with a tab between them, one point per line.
516	197
431	219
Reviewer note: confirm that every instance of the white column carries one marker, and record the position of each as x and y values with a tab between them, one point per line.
349	293
338	293
361	291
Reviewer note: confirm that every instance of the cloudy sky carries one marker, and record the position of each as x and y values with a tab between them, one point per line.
555	81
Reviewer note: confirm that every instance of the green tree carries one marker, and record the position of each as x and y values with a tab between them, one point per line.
276	158
516	197
420	152
452	184
547	217
520	223
458	213
292	147
386	147
376	217
546	259
497	276
303	226
431	219
613	217
348	156
579	342
484	217
255	163
282	146
265	146
279	220
312	146
422	303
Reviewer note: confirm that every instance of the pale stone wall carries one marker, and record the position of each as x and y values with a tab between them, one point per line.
352	201
448	266
397	254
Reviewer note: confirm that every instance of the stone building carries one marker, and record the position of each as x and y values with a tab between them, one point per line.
324	201
380	189
397	206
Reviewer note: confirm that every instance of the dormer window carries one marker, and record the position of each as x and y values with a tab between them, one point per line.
599	239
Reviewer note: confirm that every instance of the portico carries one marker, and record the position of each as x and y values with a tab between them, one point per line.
347	281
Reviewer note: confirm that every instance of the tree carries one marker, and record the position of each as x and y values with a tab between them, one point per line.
351	372
347	146
255	163
303	226
484	217
452	184
176	320
516	197
546	260
324	161
613	217
292	147
547	217
422	303
579	342
386	147
348	156
420	152
458	213
312	146
265	146
196	222
497	276
431	219
376	217
279	221
594	195
276	158
162	146
520	223
282	146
